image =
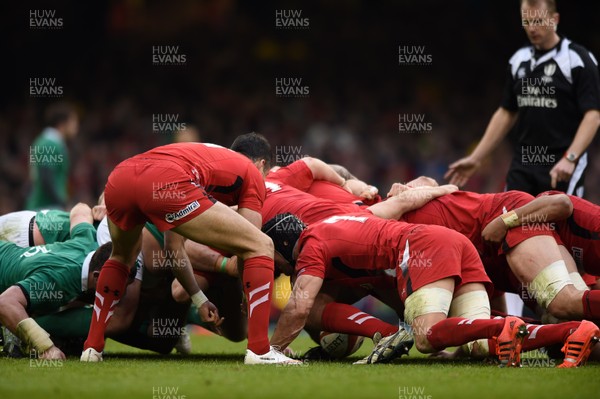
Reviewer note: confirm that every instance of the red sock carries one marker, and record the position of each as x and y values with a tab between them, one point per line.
258	284
346	319
109	290
456	331
548	334
591	305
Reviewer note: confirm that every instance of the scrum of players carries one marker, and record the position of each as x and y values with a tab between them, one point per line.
194	233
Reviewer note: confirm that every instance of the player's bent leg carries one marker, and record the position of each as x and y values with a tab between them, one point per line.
572	269
434	332
537	263
471	301
220	227
111	286
423	309
426	307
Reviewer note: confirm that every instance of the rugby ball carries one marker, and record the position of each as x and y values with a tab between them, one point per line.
338	345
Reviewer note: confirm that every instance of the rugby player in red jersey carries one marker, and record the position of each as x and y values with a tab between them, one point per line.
436	270
576	221
176	187
533	255
332	310
367	245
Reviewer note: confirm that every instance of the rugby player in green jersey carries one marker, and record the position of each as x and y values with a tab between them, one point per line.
42	279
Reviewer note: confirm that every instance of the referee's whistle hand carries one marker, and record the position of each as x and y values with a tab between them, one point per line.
562	171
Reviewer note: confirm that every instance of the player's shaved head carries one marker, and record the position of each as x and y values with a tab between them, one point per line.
254	146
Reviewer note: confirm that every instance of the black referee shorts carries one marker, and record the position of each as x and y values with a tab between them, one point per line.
534	178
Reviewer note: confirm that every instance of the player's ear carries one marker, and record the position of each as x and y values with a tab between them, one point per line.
555	20
95	276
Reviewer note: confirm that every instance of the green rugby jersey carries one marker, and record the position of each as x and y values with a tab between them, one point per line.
48	154
54	225
49	275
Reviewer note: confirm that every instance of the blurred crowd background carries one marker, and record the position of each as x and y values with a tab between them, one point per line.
347	56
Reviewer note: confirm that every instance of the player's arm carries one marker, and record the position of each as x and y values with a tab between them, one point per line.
81	213
502	121
295	313
182	269
206	259
563	170
544	209
342	171
409	200
321	171
13	315
355	185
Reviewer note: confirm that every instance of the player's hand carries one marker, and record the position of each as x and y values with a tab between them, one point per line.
495	231
369	193
396	189
447	188
209	313
562	171
53	354
461	171
98	212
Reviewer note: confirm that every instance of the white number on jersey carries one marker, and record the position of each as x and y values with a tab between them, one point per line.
272	186
35	250
334	219
212	145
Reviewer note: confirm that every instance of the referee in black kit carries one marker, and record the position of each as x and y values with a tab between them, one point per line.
552	94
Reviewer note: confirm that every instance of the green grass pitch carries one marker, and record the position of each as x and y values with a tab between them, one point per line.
216	370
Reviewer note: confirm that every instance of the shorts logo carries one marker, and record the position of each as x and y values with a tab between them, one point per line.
171	217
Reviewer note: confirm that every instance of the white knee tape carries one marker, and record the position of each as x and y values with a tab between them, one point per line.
548	283
578	281
473	305
426	300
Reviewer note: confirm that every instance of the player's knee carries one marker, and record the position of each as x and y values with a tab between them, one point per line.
422	344
262	246
565	305
552	289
